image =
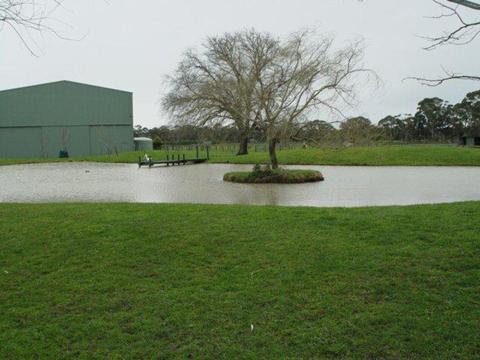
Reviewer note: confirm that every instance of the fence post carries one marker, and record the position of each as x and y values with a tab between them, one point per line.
196	147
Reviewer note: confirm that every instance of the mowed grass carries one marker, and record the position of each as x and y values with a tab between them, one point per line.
400	155
193	281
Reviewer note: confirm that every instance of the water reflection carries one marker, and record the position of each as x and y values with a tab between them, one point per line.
344	186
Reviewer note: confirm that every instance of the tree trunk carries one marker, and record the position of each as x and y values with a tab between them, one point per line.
243	150
272	144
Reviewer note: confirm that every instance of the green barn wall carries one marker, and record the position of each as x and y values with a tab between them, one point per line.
110	139
41	120
21	142
73	139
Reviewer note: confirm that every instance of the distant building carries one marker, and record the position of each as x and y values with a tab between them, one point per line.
45	120
470	140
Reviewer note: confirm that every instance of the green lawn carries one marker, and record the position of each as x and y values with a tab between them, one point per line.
409	155
188	281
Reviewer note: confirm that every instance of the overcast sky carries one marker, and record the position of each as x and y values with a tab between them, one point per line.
131	45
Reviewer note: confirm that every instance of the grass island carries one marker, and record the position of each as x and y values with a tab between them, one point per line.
277	176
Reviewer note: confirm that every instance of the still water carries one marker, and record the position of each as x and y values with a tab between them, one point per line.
344	186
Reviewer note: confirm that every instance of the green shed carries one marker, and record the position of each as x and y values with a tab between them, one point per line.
470	139
45	120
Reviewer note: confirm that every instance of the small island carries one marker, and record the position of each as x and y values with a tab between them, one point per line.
266	175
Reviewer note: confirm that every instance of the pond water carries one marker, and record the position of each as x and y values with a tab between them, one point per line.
344	186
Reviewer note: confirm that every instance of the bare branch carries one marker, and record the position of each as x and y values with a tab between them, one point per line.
26	17
440	81
466	3
465	33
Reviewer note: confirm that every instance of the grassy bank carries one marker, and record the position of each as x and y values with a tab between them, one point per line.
408	155
160	281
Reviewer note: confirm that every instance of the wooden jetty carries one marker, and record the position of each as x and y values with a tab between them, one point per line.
170	161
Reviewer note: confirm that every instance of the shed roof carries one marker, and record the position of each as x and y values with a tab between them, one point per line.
65	103
62	82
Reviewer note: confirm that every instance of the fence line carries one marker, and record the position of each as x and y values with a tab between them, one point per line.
232	148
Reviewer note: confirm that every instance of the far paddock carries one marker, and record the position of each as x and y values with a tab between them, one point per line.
65	118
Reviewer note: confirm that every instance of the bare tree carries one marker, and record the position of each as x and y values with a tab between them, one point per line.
466	32
307	75
26	17
219	84
255	80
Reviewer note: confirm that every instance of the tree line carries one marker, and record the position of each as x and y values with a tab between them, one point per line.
435	120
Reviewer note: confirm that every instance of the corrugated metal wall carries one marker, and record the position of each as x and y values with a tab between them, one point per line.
111	139
20	142
39	121
75	139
